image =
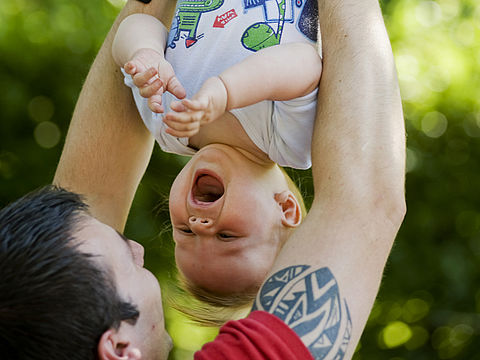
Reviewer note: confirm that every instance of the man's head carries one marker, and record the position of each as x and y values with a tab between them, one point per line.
72	287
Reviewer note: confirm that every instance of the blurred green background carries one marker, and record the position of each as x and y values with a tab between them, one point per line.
429	303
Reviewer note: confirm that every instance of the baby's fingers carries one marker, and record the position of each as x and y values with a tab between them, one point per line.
184	117
175	87
177	106
155	88
182	133
155	104
180	128
144	78
130	68
195	105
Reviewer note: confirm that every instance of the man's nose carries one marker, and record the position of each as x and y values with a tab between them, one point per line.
138	252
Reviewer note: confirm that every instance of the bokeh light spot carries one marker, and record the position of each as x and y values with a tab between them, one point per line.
450	8
393	312
438	80
415	309
428	13
8	161
10	8
35	21
47	134
465	33
419	338
68	18
434	124
461	334
396	334
471	125
41	108
412	160
450	341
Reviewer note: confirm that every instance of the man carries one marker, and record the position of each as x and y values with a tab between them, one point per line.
323	283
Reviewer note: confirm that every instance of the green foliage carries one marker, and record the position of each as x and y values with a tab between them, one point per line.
429	303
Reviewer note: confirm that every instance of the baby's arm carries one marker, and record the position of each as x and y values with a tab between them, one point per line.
139	47
277	73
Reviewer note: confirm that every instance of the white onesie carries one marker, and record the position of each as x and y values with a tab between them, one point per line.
207	37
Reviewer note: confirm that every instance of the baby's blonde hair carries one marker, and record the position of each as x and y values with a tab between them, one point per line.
206	308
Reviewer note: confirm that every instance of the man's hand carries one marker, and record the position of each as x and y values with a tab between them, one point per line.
153	75
206	106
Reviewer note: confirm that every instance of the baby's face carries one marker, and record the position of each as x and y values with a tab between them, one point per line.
226	223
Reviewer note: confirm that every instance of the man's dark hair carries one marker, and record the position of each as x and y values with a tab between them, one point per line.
55	301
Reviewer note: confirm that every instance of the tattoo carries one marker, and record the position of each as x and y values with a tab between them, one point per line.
309	303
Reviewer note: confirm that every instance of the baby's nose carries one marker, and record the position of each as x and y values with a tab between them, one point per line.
200	221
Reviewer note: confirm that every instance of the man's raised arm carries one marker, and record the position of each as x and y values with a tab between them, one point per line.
325	280
107	147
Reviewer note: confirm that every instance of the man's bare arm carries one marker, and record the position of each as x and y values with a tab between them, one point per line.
107	147
325	280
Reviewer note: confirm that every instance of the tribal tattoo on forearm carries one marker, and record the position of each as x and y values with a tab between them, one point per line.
308	301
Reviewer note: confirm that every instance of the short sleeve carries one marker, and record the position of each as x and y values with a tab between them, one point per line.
260	336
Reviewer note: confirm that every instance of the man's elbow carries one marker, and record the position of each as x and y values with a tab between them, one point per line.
392	206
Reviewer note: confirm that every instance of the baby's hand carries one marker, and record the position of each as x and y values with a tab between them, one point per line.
206	106
153	75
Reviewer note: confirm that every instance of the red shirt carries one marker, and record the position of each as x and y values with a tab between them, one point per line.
260	336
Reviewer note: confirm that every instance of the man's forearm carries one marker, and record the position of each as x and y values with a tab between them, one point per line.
332	265
359	138
107	147
358	149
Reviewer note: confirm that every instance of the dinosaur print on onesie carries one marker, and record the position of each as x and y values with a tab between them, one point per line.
208	36
270	15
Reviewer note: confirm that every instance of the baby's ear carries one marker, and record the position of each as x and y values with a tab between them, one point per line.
114	345
291	210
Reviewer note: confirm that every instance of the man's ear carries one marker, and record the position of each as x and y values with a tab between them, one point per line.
113	345
291	210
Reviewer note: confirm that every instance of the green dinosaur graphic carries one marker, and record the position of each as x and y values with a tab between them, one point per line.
261	35
187	18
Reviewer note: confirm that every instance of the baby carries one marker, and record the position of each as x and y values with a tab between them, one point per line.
251	71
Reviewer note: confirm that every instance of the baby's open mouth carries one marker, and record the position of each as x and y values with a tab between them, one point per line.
207	189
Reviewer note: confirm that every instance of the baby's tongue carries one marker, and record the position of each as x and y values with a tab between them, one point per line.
208	189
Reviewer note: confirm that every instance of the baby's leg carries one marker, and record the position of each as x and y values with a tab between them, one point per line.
276	73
